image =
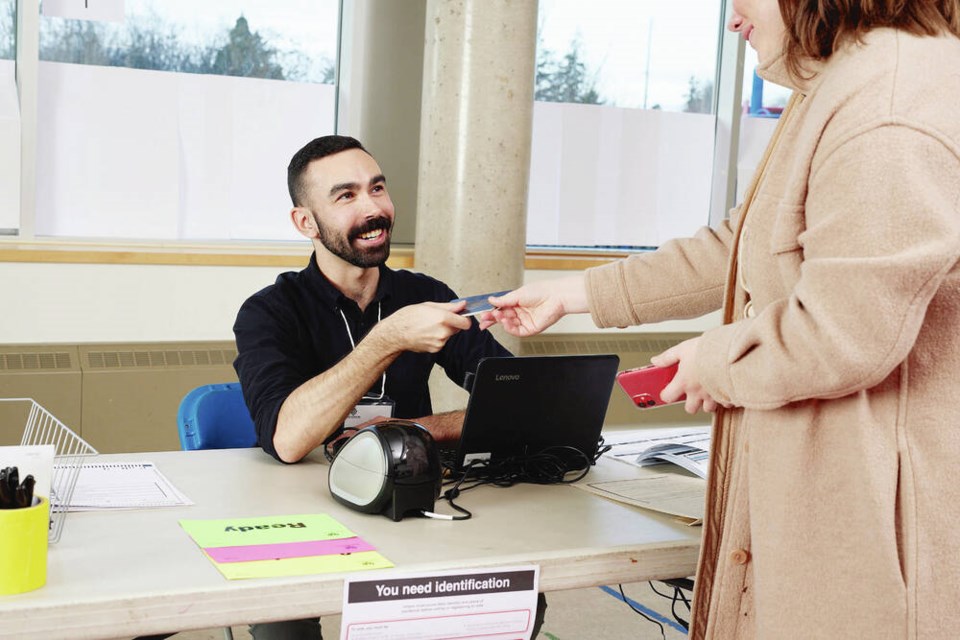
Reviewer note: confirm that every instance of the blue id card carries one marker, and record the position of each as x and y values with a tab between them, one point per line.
478	304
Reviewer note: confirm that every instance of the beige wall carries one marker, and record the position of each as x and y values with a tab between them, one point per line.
75	303
70	303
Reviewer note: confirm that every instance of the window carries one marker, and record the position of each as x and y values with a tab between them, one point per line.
226	39
8	29
761	99
177	122
9	122
624	124
762	104
196	112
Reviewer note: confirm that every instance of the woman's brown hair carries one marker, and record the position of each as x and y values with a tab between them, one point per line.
816	28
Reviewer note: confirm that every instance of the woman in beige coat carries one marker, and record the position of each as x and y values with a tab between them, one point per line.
833	501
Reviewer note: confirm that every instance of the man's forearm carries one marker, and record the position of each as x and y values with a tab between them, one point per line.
317	407
444	427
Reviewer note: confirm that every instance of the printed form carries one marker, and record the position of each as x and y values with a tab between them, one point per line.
497	603
642	481
124	485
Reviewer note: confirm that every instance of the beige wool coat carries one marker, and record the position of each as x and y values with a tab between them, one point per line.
833	500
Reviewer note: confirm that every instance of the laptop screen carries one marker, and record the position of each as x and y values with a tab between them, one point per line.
525	405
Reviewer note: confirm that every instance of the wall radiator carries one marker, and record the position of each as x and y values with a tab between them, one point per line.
124	397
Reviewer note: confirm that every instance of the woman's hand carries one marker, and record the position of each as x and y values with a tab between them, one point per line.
533	307
687	381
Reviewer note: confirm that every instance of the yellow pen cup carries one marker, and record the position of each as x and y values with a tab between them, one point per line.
23	547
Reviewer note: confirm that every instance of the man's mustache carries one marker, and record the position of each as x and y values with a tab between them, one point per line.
373	224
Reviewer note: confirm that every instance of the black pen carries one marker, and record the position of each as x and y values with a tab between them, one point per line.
24	496
6	492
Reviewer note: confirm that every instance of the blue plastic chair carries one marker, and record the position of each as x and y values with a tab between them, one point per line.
214	416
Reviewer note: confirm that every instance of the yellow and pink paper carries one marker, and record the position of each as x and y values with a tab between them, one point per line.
273	546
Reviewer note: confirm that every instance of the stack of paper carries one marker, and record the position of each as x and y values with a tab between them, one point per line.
687	447
123	485
677	491
272	546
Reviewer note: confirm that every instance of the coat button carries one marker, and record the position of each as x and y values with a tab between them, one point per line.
740	556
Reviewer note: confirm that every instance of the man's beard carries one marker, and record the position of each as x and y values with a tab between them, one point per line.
343	248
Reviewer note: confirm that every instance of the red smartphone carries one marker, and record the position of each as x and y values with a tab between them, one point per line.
644	384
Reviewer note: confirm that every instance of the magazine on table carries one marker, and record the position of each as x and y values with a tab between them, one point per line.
686	447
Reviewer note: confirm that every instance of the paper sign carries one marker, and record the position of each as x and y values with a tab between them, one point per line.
303	566
271	546
265	530
35	460
248	553
488	603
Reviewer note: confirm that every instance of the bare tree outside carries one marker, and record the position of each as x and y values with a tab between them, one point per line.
566	79
148	42
699	98
246	54
8	21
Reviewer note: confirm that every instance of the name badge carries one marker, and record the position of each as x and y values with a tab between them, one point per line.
368	410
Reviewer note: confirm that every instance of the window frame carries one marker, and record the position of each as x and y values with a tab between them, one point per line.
26	247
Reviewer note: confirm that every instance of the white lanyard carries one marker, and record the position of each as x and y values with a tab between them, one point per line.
353	345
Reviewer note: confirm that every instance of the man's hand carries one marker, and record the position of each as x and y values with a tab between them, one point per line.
534	307
423	327
687	380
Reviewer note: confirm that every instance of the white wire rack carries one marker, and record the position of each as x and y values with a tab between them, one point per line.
43	428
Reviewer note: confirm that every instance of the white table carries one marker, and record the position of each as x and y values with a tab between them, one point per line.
128	573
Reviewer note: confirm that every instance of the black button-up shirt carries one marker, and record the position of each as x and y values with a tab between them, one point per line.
293	330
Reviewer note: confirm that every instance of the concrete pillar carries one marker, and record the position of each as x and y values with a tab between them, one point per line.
381	74
475	133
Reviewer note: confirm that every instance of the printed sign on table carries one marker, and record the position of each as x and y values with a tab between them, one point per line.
287	545
489	603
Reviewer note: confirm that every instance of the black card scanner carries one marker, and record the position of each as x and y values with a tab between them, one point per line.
392	468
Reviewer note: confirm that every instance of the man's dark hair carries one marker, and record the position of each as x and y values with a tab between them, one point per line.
314	150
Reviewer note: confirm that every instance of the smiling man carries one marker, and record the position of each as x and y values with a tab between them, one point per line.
348	336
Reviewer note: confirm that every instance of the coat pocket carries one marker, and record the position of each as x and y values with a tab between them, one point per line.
788	225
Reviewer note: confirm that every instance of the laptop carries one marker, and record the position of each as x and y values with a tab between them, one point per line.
523	405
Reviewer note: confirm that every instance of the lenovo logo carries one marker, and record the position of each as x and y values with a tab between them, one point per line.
501	377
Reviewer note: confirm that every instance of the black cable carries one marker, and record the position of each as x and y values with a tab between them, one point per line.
637	611
602	448
673	609
553	465
449	495
677	595
453	493
550	466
